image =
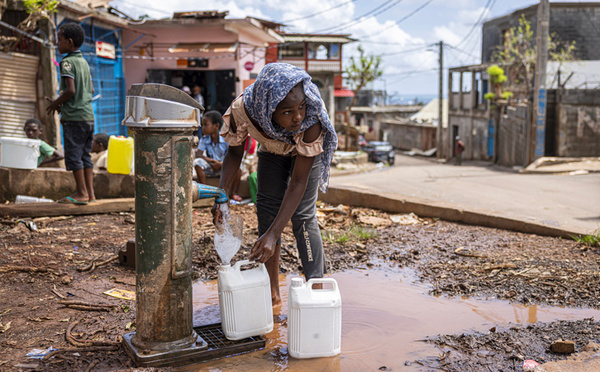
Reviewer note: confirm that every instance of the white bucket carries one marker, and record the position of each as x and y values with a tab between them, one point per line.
22	153
245	301
314	318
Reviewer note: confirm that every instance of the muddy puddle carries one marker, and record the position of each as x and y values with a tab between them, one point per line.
384	318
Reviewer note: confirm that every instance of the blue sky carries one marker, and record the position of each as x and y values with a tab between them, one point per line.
401	31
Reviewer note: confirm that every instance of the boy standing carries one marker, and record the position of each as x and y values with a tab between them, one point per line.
48	154
77	116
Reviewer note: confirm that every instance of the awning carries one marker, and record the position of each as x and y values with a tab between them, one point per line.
343	93
204	47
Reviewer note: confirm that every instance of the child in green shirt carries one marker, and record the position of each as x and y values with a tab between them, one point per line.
48	154
77	116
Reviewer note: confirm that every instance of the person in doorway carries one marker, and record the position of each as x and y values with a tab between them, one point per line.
284	112
48	154
100	152
197	94
211	152
187	89
459	147
77	117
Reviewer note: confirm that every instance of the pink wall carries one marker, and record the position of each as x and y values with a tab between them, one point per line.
169	35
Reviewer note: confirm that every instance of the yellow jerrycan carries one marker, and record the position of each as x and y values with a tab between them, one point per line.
120	155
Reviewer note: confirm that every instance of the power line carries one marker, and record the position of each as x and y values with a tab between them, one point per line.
487	6
397	22
317	13
462	51
386	6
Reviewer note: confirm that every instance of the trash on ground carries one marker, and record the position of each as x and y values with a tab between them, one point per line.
405	219
39	353
529	365
121	293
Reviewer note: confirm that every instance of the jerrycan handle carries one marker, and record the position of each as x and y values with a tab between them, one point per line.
238	265
331	281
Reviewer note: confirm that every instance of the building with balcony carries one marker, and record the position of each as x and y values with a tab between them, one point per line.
572	126
320	55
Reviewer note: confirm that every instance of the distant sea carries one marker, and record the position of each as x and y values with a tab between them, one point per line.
410	99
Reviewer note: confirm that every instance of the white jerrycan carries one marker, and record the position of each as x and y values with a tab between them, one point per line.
314	318
245	301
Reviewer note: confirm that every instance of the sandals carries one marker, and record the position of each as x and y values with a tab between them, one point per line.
70	200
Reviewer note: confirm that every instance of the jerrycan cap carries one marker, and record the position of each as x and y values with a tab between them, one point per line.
225	267
297	282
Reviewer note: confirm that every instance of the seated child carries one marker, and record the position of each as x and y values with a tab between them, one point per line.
211	151
100	151
48	154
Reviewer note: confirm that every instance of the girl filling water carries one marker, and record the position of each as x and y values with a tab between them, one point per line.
283	111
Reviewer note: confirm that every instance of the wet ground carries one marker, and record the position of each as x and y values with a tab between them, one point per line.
458	265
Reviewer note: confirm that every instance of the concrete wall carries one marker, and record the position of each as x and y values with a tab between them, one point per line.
54	183
473	131
578	127
570	22
512	136
407	137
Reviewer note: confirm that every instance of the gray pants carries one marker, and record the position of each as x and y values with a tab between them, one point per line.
274	173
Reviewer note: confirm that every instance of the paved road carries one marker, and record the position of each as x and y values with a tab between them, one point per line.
570	202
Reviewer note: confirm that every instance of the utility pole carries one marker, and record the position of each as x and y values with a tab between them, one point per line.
438	138
538	132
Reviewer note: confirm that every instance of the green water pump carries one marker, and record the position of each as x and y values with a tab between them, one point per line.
163	119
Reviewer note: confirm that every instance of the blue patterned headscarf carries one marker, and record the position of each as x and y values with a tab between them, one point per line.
272	85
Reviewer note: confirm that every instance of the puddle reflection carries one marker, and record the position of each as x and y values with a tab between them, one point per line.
383	319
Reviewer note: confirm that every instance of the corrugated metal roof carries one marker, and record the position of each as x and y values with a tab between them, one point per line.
17	92
317	38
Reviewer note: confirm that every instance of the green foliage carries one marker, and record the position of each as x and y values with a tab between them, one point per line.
354	233
496	74
489	96
361	71
591	240
44	7
507	95
519	52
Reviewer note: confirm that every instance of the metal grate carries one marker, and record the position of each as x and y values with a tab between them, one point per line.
215	338
217	346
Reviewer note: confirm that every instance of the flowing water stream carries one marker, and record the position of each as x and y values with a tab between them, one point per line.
384	317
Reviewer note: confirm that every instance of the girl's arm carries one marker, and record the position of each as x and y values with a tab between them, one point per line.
265	245
229	168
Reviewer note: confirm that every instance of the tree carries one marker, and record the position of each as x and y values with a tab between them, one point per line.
38	10
519	54
360	72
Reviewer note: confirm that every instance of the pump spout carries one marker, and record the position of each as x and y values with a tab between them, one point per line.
201	191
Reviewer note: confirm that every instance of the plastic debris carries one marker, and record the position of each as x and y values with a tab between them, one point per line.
39	353
405	219
529	365
120	293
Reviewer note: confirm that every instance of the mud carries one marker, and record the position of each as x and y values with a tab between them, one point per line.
67	257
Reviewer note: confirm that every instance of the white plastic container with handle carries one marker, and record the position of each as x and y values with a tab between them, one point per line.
314	318
245	300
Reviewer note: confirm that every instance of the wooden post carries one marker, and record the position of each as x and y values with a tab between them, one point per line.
438	137
538	131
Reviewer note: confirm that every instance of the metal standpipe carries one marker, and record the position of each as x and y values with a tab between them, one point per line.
163	119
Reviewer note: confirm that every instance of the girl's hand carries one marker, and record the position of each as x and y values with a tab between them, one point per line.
217	215
264	248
